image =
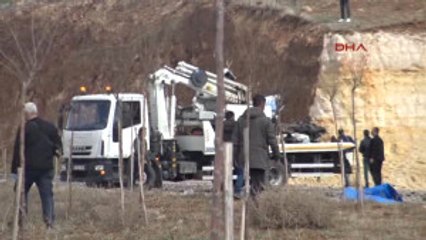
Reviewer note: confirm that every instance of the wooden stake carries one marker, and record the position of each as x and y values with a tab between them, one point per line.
19	193
142	154
69	176
132	161
141	185
229	193
217	224
246	145
4	155
281	129
15	233
120	159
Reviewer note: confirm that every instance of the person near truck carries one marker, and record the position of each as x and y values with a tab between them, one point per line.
228	126
364	147
348	169
261	137
376	154
228	129
42	142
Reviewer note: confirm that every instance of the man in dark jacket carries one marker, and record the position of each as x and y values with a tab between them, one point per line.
364	147
343	137
261	137
376	154
41	143
228	126
228	130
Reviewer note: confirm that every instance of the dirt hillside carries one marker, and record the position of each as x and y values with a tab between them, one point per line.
111	42
268	44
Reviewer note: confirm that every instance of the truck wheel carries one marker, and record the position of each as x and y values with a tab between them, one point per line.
158	176
149	176
276	174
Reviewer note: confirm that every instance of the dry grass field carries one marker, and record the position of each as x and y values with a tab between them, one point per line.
287	213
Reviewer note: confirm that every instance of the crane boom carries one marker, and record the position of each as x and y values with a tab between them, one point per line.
204	84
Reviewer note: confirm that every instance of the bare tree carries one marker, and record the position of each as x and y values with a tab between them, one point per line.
25	61
329	83
356	66
217	220
142	159
120	158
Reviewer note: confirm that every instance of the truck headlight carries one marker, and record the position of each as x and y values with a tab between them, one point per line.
99	168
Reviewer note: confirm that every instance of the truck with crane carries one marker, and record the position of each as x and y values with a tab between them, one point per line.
180	140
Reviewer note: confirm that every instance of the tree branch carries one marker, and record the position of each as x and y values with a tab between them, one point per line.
20	50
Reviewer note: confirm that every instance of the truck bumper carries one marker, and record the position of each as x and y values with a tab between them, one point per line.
91	170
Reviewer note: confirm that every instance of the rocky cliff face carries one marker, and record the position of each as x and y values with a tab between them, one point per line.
392	96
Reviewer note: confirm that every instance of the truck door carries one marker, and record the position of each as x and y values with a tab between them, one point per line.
131	122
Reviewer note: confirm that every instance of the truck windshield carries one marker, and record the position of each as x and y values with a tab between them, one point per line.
88	115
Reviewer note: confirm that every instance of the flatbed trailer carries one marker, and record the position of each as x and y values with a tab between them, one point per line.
304	160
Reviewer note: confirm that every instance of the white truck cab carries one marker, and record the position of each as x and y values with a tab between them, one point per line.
90	136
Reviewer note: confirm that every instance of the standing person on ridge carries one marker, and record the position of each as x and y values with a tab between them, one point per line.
345	11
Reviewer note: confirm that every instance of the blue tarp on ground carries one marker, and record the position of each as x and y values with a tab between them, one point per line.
384	193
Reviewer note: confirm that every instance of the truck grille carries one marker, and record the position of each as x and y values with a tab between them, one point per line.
81	150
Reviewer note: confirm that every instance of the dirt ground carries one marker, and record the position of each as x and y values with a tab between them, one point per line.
176	214
371	15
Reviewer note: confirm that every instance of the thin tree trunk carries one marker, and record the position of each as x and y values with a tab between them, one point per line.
358	170
281	129
339	146
19	193
141	151
246	146
69	176
4	155
217	223
120	161
18	200
141	175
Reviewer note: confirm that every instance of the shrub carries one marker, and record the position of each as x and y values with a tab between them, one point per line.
291	208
